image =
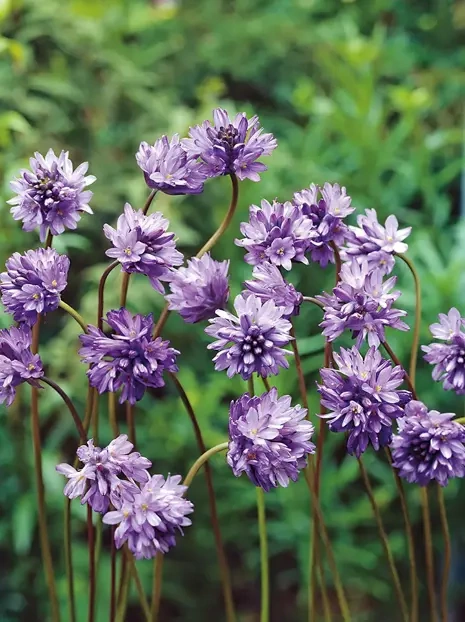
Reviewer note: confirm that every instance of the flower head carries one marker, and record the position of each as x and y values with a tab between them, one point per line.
276	232
448	358
230	146
33	282
128	359
268	439
269	284
199	289
51	195
169	168
252	341
142	244
363	398
429	446
17	363
150	522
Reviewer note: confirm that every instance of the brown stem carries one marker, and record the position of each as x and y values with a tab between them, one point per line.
429	553
113	576
124	289
140	589
148	202
447	554
101	292
266	384
130	422
395	359
156	588
71	408
92	582
161	321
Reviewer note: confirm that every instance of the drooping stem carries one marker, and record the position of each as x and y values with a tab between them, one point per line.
264	567
156	588
74	314
69	561
92	581
314	301
222	561
198	464
384	541
396	360
429	553
70	406
101	291
417	327
447	555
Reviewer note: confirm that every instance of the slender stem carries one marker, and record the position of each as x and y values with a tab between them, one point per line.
460	420
92	584
265	572
130	422
156	588
69	561
324	594
222	561
299	370
384	541
266	384
124	289
113	576
396	360
101	292
148	202
198	464
140	589
447	555
314	301
429	553
123	588
250	386
71	408
74	314
112	414
417	327
161	321
337	258
49	240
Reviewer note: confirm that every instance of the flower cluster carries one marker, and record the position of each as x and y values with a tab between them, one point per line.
128	359
199	289
17	363
363	398
33	282
448	358
269	284
429	446
269	439
51	195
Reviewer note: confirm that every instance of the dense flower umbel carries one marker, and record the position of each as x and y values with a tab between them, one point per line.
362	397
326	208
376	243
128	359
17	363
199	289
99	482
268	439
51	195
230	146
142	244
361	303
276	232
169	168
33	282
150	523
429	446
252	341
269	284
448	358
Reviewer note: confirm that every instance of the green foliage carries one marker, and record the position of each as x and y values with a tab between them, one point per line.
366	93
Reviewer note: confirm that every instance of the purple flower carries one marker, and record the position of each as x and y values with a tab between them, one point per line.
278	233
268	439
150	523
169	168
51	195
199	289
230	147
142	244
362	397
448	358
362	303
17	363
128	359
251	341
376	243
269	284
33	282
326	215
429	446
99	482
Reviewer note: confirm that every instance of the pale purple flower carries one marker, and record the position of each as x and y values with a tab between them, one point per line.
269	284
129	358
252	341
169	168
51	195
199	289
363	398
17	363
143	244
230	147
33	282
269	439
429	446
448	358
276	232
150	523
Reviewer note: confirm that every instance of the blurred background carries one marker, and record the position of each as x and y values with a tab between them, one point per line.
367	93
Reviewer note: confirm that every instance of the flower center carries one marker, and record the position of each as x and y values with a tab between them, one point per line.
280	251
127	250
54	283
31	366
36	296
228	135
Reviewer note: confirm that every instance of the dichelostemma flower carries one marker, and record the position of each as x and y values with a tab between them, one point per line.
269	284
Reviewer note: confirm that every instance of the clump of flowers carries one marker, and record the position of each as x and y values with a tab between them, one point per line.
33	282
51	195
429	446
199	289
127	359
269	284
269	439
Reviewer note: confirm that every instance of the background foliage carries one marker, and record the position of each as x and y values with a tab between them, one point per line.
368	93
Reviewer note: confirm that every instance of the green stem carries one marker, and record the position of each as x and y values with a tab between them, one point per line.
198	464
314	301
266	384
429	553
417	327
447	554
265	574
70	406
156	588
74	314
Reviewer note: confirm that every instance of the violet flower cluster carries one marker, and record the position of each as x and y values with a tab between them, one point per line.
269	284
17	362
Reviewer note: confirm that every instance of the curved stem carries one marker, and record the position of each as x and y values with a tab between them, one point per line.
156	588
337	258
429	552
101	292
384	541
264	567
396	360
417	327
71	408
92	583
148	202
447	554
314	301
74	314
161	321
198	464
